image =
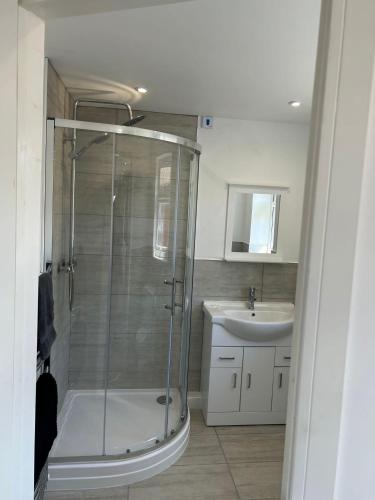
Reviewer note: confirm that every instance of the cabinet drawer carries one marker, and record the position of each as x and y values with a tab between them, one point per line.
222	357
283	356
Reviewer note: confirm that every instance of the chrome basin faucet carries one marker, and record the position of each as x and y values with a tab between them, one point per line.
252	299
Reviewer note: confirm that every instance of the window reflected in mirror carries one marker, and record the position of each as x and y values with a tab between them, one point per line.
255	222
162	209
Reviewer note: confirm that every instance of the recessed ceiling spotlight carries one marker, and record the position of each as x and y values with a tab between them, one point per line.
141	90
294	104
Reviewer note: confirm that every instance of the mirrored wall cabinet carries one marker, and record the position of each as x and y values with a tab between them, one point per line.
258	228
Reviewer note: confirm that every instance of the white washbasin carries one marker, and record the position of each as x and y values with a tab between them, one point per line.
268	320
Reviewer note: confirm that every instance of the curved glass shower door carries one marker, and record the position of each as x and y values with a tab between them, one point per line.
129	271
144	266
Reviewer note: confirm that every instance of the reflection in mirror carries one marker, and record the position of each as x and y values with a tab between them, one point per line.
255	227
162	209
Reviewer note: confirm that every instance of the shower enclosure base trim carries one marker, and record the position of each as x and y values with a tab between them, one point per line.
103	473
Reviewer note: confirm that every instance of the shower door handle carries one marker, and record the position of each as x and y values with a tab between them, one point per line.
170	308
182	304
70	270
174	304
71	289
171	283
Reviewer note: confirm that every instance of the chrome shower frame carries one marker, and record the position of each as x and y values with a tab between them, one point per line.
70	268
126	468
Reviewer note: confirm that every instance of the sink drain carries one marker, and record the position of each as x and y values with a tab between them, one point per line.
162	400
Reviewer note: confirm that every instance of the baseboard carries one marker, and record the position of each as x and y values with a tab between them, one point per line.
194	400
245	418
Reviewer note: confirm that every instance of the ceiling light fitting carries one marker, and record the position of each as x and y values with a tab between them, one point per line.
294	104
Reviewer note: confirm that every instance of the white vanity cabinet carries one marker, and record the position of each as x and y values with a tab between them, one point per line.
243	382
225	389
280	389
257	376
225	382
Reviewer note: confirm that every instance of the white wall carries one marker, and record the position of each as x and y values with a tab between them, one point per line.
256	153
21	125
67	8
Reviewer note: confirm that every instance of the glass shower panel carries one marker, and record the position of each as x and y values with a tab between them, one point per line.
189	164
91	206
56	246
143	267
187	190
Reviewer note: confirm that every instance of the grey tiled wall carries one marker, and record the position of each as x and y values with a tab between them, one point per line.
59	104
220	280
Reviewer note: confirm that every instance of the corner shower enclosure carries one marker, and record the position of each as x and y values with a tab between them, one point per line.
129	266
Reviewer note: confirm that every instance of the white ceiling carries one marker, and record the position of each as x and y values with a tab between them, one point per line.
48	9
230	58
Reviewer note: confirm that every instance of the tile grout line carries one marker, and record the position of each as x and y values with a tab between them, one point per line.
252	434
227	464
245	462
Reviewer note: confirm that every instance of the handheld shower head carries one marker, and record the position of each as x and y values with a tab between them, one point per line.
100	138
134	120
103	137
97	140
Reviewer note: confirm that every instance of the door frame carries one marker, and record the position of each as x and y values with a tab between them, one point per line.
315	400
21	130
342	97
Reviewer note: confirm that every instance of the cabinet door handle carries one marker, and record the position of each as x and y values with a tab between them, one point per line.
248	380
280	380
234	380
287	357
227	357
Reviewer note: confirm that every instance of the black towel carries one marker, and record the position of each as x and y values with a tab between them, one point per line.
46	330
45	421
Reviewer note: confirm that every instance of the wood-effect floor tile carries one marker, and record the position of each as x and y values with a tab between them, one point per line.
203	482
253	448
257	481
120	493
197	425
202	449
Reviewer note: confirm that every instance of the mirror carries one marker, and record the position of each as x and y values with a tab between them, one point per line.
256	217
253	222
